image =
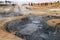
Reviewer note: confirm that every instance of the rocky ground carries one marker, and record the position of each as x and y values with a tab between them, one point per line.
31	25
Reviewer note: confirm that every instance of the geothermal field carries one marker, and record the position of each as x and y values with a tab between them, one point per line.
30	21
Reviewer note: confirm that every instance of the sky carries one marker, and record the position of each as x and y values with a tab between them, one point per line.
31	1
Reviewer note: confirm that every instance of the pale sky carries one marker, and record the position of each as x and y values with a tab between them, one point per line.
33	1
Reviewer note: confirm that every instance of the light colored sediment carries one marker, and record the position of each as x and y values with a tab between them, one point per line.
8	36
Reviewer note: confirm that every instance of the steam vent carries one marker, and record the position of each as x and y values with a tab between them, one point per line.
33	21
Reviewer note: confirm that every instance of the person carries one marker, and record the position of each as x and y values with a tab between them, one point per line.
51	3
46	4
57	1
